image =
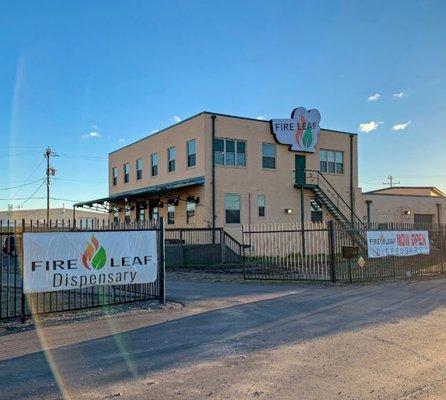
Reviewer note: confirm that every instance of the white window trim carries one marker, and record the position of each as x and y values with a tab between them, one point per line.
240	210
343	162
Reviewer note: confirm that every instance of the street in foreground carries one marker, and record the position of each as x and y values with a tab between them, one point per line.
244	341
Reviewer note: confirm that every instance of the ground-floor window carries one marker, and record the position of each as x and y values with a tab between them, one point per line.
171	214
261	205
316	212
190	212
127	215
142	215
232	208
155	214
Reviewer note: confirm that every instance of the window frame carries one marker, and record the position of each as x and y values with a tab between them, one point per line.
275	156
328	163
191	156
139	169
126	174
114	176
170	218
239	209
261	196
154	165
236	152
171	167
188	216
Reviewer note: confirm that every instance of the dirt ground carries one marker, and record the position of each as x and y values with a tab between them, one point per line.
234	340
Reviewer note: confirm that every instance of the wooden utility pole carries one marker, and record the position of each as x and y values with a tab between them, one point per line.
391	183
49	172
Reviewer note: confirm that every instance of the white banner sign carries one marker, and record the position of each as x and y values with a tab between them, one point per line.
74	260
397	243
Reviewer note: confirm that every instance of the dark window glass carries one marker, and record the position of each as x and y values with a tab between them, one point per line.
219	151
171	159
232	208
126	173
171	214
154	164
191	153
230	152
261	205
268	155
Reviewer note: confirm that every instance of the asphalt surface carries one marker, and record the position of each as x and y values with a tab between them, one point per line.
244	341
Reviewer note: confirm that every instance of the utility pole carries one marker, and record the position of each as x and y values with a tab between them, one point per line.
50	171
391	183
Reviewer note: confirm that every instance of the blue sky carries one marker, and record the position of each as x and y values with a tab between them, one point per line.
124	69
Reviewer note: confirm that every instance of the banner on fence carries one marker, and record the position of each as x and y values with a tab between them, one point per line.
73	260
397	243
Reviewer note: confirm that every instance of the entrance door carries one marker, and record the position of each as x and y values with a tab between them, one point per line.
299	169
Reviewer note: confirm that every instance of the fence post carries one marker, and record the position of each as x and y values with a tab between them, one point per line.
331	249
222	246
441	231
161	263
22	263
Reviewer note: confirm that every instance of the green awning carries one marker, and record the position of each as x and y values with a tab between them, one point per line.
162	188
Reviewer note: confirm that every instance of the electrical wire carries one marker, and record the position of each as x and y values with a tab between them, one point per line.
30	197
22	185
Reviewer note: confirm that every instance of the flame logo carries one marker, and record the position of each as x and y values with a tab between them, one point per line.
94	255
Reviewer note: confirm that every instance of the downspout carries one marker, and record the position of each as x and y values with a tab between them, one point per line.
368	202
352	194
213	117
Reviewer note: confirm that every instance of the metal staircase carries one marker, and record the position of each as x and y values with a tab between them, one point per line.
327	196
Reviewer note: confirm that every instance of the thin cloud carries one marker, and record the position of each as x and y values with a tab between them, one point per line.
374	97
261	117
176	118
91	135
154	131
398	95
369	126
121	140
401	127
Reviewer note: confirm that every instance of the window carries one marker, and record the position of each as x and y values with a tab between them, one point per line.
139	169
114	176
141	214
261	205
127	215
316	212
332	162
268	155
190	212
155	214
171	214
191	153
232	208
154	164
126	173
230	152
171	159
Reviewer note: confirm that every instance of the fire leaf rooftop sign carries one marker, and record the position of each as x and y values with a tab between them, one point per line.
301	131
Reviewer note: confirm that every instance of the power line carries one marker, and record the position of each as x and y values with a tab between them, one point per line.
30	197
22	185
391	183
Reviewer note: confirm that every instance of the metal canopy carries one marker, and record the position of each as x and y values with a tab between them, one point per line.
144	191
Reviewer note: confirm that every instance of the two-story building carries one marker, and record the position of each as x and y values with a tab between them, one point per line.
222	170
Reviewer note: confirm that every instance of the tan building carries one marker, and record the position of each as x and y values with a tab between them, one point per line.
405	204
57	215
225	171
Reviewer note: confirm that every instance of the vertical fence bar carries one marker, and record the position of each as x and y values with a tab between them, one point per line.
161	263
331	250
22	263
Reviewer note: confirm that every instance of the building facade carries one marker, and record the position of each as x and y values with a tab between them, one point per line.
220	170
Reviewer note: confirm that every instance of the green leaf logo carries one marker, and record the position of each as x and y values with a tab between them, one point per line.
99	259
307	139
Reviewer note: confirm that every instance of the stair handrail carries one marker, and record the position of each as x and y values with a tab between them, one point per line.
324	179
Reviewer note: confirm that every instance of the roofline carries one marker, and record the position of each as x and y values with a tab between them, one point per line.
218	115
433	188
404	195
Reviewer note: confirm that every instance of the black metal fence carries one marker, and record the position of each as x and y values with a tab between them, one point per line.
315	251
13	302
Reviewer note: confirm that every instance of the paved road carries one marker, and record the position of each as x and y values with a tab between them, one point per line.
234	341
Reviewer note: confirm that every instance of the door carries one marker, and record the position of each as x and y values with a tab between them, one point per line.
299	170
423	219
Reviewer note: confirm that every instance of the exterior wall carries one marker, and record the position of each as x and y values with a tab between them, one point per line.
56	214
391	208
249	181
177	135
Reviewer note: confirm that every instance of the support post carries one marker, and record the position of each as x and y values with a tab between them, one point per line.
331	249
161	263
222	246
22	264
352	193
302	222
213	117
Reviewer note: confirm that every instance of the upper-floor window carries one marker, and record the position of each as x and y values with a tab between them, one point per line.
332	161
232	208
230	152
139	169
114	176
191	153
261	205
171	159
126	173
268	155
154	164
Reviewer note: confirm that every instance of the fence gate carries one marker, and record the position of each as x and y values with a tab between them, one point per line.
288	251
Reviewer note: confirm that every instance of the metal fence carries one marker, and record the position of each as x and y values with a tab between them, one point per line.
314	251
13	302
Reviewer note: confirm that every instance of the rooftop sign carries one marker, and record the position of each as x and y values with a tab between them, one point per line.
301	131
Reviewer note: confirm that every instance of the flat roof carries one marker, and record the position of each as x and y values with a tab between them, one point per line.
385	191
218	115
161	188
